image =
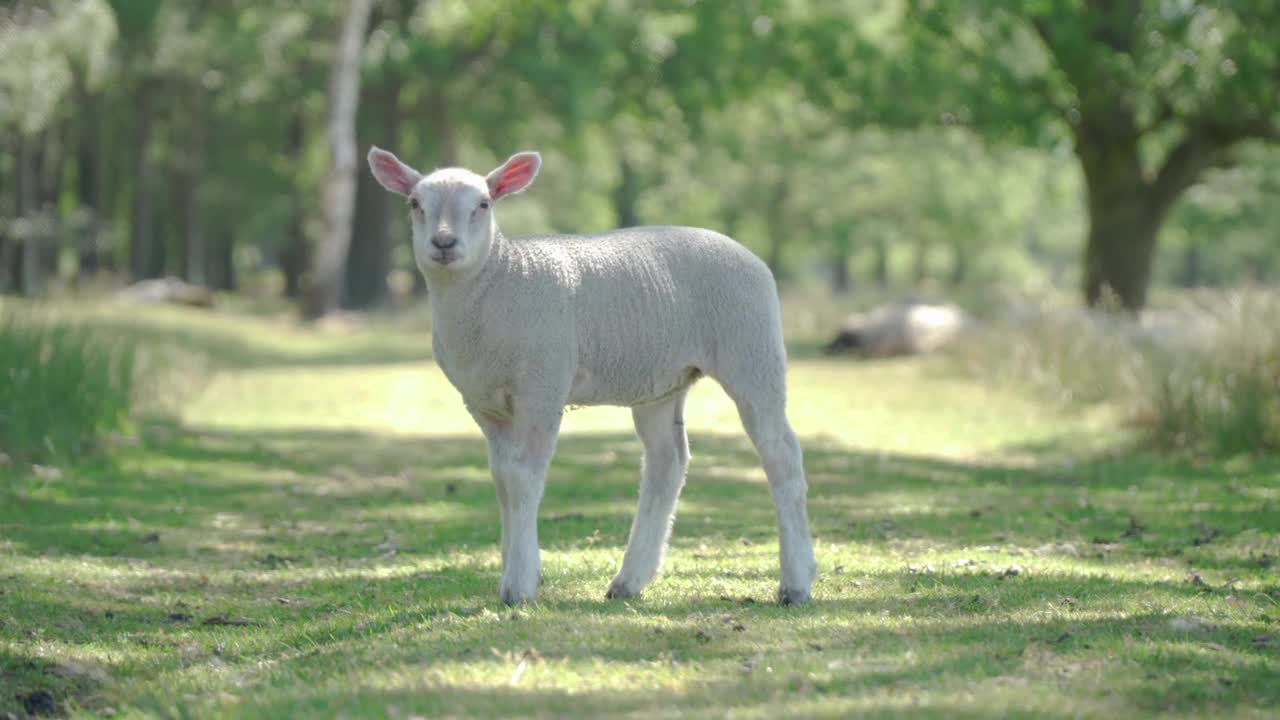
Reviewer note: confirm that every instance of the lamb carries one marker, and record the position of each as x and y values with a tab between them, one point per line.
525	326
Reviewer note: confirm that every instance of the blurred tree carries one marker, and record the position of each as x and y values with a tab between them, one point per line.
48	52
1151	92
484	70
339	196
1226	228
843	140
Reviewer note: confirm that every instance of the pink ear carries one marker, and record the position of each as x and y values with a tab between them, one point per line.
514	175
391	173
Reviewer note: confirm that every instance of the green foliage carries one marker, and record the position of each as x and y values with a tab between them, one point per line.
45	52
1150	94
1169	66
1226	230
62	387
824	134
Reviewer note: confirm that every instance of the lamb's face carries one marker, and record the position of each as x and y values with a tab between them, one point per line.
452	216
452	209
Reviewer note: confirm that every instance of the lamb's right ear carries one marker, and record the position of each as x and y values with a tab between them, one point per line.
391	173
515	174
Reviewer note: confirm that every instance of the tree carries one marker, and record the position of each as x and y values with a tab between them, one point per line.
490	71
48	51
325	290
1225	230
1151	93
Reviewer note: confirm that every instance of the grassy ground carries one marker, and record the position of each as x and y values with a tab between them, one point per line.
315	534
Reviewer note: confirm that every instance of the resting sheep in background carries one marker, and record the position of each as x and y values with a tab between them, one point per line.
524	326
910	328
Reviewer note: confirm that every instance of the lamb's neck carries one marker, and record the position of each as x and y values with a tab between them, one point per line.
451	293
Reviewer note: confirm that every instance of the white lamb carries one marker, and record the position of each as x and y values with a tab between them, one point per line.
524	326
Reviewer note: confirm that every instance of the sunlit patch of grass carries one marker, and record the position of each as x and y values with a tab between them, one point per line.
320	539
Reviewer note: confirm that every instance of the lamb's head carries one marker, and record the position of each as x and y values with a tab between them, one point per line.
451	210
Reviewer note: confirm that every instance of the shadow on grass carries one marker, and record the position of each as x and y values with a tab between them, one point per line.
381	551
393	636
433	492
233	347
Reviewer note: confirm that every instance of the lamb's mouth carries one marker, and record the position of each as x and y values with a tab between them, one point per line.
444	258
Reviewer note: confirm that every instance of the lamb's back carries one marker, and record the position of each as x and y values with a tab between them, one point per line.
649	302
649	257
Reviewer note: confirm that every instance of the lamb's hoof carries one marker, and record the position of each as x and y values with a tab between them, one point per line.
793	597
513	597
620	591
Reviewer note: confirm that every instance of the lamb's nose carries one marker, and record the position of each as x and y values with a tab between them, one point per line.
444	242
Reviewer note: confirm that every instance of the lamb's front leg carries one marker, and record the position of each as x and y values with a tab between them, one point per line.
666	459
520	450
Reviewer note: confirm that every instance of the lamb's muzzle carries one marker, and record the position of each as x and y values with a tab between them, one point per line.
524	326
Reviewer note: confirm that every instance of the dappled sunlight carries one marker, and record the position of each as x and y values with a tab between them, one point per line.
324	536
1017	261
865	403
434	512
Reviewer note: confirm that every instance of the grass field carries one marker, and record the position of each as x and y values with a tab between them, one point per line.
313	533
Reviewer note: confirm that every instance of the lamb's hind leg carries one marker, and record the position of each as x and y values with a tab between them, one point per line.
761	403
666	459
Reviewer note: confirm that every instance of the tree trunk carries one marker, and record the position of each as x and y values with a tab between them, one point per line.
1122	228
920	263
191	175
1192	265
222	270
146	256
110	193
959	264
1118	258
8	210
369	258
880	263
1126	208
50	167
181	201
87	192
627	192
295	256
840	265
340	186
39	177
27	267
1259	274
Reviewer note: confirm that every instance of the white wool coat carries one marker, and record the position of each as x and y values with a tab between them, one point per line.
627	318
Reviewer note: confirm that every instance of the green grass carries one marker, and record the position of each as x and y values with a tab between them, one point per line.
62	387
315	535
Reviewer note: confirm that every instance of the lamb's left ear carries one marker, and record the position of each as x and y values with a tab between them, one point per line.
514	175
391	173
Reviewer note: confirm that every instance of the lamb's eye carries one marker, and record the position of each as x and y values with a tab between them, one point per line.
484	204
413	203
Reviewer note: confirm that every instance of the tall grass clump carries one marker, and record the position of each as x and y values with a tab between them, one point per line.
61	387
1070	356
1202	377
1224	394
